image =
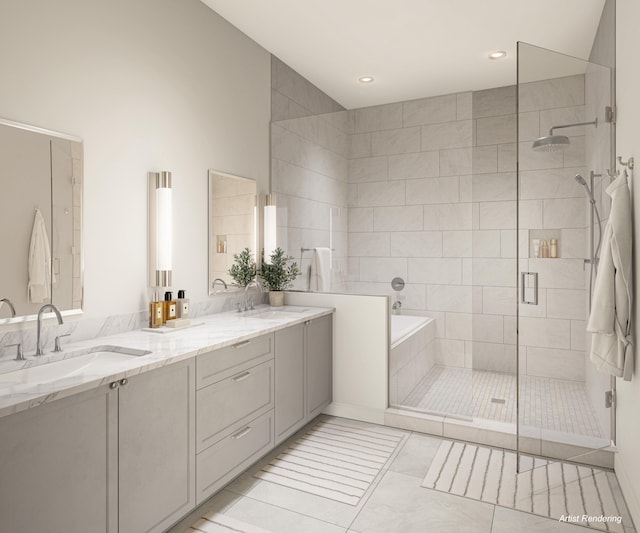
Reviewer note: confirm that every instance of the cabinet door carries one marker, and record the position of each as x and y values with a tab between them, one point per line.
58	466
157	448
290	372
319	345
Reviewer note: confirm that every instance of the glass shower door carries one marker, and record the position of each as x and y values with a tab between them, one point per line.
564	153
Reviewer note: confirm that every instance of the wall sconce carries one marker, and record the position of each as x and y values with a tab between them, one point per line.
270	220
160	229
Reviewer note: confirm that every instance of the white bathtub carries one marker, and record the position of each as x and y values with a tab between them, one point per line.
412	354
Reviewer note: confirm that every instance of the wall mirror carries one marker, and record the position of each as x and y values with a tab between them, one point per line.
232	224
41	175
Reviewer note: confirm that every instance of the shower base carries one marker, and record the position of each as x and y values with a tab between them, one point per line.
556	417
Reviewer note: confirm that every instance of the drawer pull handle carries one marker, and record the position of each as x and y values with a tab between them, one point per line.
242	433
241	344
241	377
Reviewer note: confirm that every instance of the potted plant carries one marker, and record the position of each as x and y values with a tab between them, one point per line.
243	271
278	275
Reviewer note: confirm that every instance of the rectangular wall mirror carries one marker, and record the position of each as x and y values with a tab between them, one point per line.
232	224
41	175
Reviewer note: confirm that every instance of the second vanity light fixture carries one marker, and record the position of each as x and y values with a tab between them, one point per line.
160	229
270	227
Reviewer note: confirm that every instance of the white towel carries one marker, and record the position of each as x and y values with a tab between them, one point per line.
610	320
320	270
39	287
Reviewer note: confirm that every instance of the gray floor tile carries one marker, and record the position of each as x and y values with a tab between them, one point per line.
220	503
415	457
508	520
401	505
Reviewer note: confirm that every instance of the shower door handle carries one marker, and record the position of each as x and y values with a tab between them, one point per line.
529	288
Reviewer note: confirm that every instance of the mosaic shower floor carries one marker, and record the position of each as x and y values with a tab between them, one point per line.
553	404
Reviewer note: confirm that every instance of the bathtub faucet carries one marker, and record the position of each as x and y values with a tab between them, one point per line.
396	307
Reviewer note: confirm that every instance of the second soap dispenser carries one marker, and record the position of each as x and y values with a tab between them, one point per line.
169	306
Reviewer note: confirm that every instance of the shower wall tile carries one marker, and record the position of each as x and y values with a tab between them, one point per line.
573	243
494	187
382	193
451	216
561	116
456	162
409	218
464	105
383	269
494	102
450	352
440	271
545	332
551	183
496	130
530	160
529	126
399	141
559	273
574	154
368	169
493	272
417	244
457	134
384	117
564	213
369	244
360	145
486	243
579	335
418	165
506	157
430	110
360	219
433	191
493	357
485	159
455	298
553	93
553	363
566	303
457	243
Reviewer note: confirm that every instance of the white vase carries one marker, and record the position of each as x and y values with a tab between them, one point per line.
276	298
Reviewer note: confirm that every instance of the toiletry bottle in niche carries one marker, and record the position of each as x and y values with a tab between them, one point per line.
169	306
156	312
536	248
183	304
553	248
544	249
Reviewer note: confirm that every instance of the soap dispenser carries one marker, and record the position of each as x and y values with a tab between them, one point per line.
169	306
183	305
156	312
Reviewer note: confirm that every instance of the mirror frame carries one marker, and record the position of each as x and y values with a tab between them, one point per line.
19	319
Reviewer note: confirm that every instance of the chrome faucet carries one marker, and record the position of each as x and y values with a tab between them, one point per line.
40	313
213	285
8	302
396	307
248	303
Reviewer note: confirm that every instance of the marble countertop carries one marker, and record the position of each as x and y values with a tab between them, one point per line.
213	332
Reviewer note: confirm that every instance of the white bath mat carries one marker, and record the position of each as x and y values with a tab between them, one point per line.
574	494
334	459
219	523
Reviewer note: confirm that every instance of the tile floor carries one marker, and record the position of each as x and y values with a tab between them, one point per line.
472	393
397	503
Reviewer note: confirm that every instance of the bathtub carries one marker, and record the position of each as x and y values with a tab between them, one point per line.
412	354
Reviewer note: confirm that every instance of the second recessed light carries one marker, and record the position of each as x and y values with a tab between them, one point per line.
366	79
498	54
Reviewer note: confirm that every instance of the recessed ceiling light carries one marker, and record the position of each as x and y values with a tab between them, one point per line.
366	79
498	54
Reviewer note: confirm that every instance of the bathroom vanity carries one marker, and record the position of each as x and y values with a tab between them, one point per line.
136	447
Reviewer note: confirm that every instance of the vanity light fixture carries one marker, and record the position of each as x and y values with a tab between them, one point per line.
498	54
160	229
366	79
270	227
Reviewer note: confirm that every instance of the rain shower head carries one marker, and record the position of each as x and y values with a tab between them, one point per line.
555	143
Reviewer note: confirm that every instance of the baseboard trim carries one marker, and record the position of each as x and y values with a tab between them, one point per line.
355	412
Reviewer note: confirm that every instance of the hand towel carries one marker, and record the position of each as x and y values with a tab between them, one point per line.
610	320
39	287
320	270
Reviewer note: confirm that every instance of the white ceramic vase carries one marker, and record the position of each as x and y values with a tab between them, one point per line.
276	298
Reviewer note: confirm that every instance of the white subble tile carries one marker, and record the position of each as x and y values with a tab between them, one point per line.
493	357
360	145
574	154
284	144
383	269
408	218
499	300
450	352
564	213
457	243
380	194
531	160
506	157
368	169
435	271
464	105
429	110
529	126
494	102
461	216
399	141
496	130
459	326
458	134
369	244
456	298
417	165
382	117
554	363
556	92
559	273
432	191
493	272
360	219
494	187
416	243
550	183
567	303
573	243
485	159
564	115
579	335
455	162
545	332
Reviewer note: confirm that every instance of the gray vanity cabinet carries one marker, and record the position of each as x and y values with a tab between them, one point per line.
303	374
119	458
58	466
156	448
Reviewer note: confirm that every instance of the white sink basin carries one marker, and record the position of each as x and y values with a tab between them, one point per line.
99	360
282	312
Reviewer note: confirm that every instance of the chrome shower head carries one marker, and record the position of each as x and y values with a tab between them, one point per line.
555	143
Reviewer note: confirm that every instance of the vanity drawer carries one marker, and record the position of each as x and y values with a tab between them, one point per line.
229	403
226	360
220	463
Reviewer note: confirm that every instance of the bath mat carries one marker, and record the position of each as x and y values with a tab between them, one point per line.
567	492
334	459
213	522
